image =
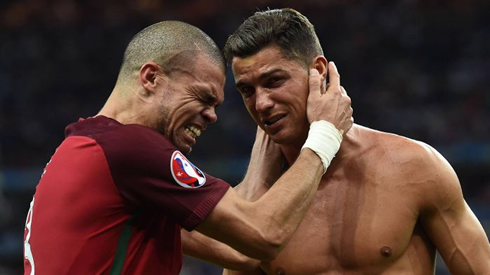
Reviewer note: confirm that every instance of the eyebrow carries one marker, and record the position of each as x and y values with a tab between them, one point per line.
240	83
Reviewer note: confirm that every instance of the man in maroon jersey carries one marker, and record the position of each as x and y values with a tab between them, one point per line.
386	202
117	191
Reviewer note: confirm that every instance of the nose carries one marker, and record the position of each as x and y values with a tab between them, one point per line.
210	115
262	100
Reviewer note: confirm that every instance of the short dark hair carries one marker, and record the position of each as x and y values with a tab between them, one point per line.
166	43
286	28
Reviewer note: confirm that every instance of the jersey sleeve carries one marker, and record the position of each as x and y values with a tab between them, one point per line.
152	175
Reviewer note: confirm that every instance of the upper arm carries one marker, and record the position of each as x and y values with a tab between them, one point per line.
450	223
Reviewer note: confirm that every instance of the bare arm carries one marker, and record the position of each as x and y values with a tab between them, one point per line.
451	224
264	169
197	245
256	183
262	228
256	271
251	191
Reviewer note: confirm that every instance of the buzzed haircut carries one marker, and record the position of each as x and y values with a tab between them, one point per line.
168	43
286	28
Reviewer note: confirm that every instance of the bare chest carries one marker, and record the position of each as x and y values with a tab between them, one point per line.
357	226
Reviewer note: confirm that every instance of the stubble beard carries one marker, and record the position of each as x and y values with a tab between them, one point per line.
162	122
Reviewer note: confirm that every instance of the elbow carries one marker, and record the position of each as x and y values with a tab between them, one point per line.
244	263
271	244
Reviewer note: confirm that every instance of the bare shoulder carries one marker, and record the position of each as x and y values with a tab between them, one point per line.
416	164
401	150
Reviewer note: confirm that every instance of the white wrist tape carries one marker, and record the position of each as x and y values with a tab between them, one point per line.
324	139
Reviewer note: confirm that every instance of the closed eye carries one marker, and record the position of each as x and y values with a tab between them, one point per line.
207	97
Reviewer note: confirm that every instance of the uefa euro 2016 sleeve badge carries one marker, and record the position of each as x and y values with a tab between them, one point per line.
185	173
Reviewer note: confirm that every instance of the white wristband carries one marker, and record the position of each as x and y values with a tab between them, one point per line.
324	139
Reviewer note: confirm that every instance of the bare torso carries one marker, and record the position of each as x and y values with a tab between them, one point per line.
365	216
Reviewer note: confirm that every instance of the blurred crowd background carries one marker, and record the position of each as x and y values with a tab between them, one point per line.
414	68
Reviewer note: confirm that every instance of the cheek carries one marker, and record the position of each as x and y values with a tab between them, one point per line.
180	115
298	106
250	105
251	110
302	98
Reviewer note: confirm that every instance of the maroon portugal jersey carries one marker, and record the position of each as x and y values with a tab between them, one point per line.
112	200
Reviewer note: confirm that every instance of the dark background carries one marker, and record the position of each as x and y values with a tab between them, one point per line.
415	68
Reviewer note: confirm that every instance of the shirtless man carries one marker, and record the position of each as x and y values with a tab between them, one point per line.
117	191
386	203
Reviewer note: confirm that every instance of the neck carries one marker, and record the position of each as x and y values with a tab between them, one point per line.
122	107
292	151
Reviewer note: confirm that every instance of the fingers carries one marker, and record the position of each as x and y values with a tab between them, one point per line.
331	103
333	74
315	85
349	112
334	80
344	92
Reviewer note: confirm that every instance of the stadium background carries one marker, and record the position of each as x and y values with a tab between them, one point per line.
415	68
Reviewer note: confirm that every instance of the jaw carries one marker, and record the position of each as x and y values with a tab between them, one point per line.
291	139
182	140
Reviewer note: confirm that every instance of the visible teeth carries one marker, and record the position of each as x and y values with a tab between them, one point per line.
193	131
187	131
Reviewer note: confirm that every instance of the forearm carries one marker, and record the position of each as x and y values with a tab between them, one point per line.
264	169
262	228
199	246
257	271
285	202
282	208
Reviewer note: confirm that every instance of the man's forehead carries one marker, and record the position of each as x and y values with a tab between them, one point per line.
248	69
269	56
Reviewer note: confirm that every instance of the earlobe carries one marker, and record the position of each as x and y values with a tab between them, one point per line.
148	76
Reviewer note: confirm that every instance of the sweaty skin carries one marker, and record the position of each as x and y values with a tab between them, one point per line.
383	207
364	218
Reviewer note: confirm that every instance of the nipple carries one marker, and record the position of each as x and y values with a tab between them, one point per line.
385	251
280	271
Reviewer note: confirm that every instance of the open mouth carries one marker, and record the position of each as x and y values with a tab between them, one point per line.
273	120
192	131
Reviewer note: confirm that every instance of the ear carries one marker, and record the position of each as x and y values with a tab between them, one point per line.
148	76
320	63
